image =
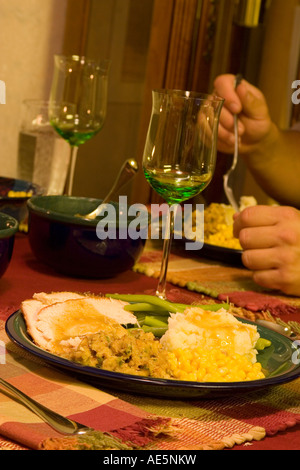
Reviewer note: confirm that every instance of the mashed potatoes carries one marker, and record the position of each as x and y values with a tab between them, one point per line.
209	330
206	346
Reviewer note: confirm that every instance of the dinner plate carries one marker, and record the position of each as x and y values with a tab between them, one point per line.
217	253
280	360
220	253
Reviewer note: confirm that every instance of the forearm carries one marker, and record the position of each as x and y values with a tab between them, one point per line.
275	164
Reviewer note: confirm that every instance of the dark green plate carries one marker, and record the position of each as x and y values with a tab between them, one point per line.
225	255
281	361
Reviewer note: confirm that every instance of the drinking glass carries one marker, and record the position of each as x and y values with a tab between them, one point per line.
180	153
43	157
78	102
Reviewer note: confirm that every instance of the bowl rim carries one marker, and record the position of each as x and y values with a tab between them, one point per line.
50	214
11	229
58	216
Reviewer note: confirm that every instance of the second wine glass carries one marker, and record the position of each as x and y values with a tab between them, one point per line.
180	153
78	102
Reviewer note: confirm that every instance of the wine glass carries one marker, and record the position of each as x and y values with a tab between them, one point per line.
78	102
180	153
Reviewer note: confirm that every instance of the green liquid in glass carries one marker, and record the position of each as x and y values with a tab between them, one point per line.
75	136
176	186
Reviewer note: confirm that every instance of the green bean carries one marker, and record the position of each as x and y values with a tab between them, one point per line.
262	343
212	307
153	309
144	302
154	321
143	307
156	331
144	298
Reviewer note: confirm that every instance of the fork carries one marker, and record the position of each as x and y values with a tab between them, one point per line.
56	421
127	171
226	183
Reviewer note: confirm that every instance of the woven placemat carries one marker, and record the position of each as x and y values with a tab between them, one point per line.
206	276
200	275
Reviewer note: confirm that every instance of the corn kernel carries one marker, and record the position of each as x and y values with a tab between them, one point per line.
213	365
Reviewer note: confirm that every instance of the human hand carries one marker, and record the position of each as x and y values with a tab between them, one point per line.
249	103
270	238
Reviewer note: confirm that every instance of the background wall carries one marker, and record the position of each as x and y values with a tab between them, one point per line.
278	68
130	33
118	30
280	59
31	31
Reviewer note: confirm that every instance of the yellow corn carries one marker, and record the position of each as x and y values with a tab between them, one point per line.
215	365
12	193
218	226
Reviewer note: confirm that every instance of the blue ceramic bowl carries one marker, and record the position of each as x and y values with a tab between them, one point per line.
14	194
8	228
72	245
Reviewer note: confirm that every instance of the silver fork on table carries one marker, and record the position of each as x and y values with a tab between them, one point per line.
56	421
227	183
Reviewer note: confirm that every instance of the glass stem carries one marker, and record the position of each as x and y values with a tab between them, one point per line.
168	237
72	164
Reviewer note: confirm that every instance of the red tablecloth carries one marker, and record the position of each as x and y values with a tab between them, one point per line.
25	276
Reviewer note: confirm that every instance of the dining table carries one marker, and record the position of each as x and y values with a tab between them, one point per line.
255	420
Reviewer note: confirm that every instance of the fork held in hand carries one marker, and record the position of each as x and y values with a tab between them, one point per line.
227	185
